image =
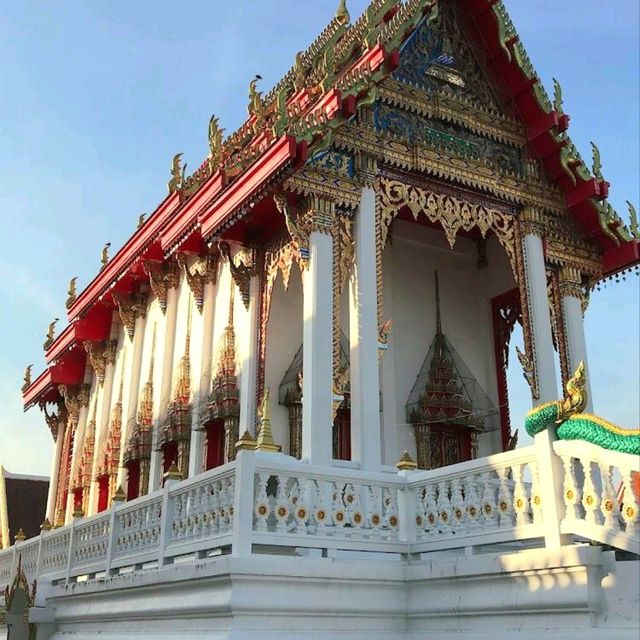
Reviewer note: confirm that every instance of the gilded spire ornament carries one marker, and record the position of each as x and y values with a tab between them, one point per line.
20	536
406	463
27	378
105	256
71	292
177	174
51	332
265	440
597	163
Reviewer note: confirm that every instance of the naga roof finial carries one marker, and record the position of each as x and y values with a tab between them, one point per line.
177	174
557	98
256	107
71	292
215	143
141	219
633	216
27	378
342	13
597	163
105	256
51	332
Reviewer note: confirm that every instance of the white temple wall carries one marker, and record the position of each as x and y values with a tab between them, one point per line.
465	301
284	338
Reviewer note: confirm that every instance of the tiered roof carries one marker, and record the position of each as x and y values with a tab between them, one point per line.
338	73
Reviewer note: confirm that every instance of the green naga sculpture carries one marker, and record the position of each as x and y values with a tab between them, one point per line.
572	424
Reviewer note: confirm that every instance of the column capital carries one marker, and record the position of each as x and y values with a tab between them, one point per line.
320	214
75	397
533	220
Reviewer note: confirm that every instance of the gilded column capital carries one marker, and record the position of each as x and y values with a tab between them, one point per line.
533	221
75	398
100	355
54	418
130	307
320	215
162	277
202	272
571	282
366	168
243	266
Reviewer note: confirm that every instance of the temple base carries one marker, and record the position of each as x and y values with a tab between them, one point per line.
573	592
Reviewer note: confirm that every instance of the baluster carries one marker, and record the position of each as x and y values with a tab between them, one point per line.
282	504
231	492
421	516
322	511
444	507
630	511
262	507
374	516
536	498
571	492
357	515
391	511
473	502
590	496
520	498
338	510
299	504
348	498
489	506
430	510
609	507
505	503
223	511
459	523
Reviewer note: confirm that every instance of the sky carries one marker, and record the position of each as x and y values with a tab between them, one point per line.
97	97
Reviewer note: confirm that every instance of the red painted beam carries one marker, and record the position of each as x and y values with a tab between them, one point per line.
62	344
282	152
40	389
621	258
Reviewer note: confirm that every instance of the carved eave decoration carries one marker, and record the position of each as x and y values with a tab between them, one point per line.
100	355
54	417
243	266
201	273
162	277
130	307
75	398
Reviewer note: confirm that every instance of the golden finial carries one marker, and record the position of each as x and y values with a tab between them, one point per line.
20	537
406	462
557	98
597	163
119	495
342	13
177	174
141	219
51	332
46	525
71	292
27	378
105	255
575	399
265	440
173	473
633	216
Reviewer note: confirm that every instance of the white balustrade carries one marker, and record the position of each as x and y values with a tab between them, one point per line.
478	502
601	494
301	505
264	501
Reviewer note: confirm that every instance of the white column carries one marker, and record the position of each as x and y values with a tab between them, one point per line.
571	292
550	470
197	436
363	322
317	362
155	472
55	473
249	364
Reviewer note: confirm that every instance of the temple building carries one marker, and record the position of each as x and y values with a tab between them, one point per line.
300	357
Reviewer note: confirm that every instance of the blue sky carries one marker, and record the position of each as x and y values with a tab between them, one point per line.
96	97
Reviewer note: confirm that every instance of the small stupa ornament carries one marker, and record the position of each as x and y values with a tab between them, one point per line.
265	436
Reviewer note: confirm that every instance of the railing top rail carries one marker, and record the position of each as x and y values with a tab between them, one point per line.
496	461
223	471
291	466
586	450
